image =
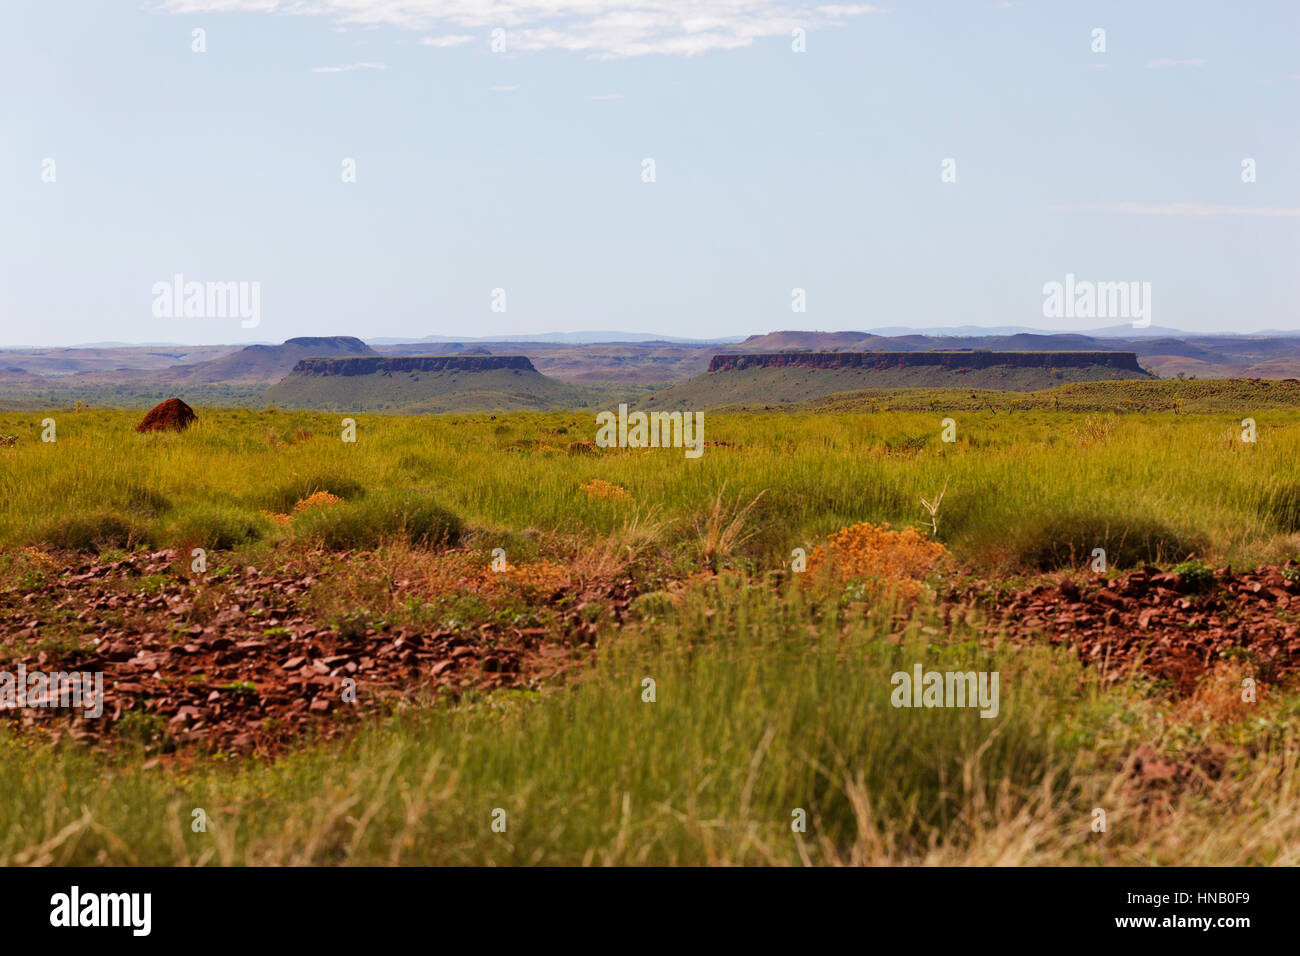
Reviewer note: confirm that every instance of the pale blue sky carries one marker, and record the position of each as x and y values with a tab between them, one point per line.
522	170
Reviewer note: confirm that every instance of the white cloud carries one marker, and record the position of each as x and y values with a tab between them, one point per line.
447	41
349	68
502	89
1179	209
838	10
602	29
1168	64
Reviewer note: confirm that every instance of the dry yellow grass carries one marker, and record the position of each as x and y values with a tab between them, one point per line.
598	489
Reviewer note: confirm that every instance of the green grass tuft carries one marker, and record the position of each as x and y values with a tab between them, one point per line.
388	517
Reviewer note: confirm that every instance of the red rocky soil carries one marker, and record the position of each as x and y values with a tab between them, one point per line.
1158	622
173	415
228	684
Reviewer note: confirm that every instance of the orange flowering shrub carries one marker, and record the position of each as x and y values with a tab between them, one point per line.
540	577
879	555
316	500
544	576
598	489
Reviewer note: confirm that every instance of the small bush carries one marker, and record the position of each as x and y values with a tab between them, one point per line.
365	524
319	499
775	530
1067	541
877	554
964	510
282	499
215	527
102	531
146	502
1195	575
148	730
652	606
598	489
352	625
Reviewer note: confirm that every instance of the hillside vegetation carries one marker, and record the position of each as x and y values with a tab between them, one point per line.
1231	396
428	391
771	386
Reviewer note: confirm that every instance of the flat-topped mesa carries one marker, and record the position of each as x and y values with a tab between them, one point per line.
973	359
334	343
387	365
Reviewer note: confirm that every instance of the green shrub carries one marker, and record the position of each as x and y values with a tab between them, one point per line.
352	625
283	498
1067	541
216	527
148	730
963	510
1195	575
770	529
100	531
144	501
365	524
651	606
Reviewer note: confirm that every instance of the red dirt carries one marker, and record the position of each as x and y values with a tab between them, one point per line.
1155	621
173	415
256	676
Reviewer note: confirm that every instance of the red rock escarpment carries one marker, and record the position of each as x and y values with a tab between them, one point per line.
1126	361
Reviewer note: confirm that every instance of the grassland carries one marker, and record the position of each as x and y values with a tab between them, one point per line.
127	395
1224	396
755	718
1182	482
771	698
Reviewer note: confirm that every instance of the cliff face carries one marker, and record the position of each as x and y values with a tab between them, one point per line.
387	365
946	360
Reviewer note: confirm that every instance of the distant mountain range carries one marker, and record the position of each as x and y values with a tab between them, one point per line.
250	365
563	338
419	384
629	364
1210	356
974	331
611	337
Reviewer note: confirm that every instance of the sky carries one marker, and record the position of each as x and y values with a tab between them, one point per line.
498	150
